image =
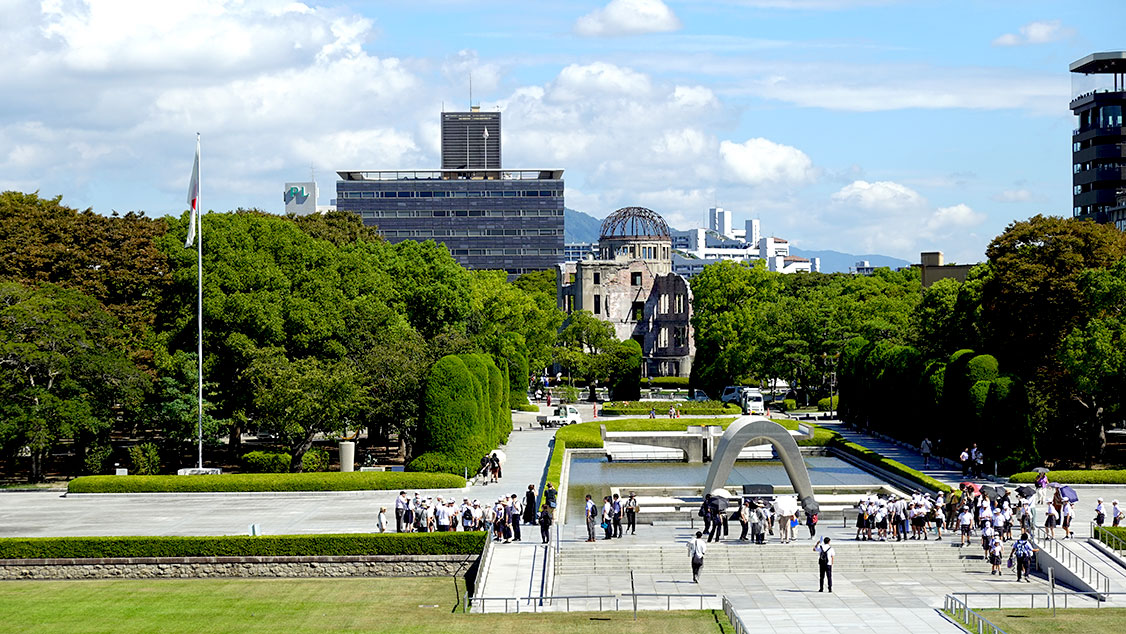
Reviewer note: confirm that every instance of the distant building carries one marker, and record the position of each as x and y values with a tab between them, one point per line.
932	268
488	217
864	267
575	251
632	285
1098	143
719	221
699	247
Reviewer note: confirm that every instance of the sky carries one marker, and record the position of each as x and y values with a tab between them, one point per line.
863	126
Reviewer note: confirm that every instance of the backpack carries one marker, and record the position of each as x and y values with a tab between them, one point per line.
823	557
1024	549
467	515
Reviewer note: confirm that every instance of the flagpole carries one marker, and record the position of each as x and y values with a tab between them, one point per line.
199	312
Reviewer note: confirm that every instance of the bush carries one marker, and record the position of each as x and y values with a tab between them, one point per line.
641	408
525	407
567	394
1076	476
266	462
97	459
623	383
789	404
828	404
459	543
871	457
1119	532
664	381
145	459
315	460
243	482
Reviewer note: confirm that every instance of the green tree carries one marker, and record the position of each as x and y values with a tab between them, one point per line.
62	373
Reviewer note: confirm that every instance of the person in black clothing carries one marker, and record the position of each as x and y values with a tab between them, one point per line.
550	495
616	505
530	505
632	508
706	514
545	524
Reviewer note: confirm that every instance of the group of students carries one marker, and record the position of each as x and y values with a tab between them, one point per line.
501	519
609	516
757	518
899	518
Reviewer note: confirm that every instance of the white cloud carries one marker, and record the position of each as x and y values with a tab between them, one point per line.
882	195
577	82
628	17
958	216
1043	32
760	161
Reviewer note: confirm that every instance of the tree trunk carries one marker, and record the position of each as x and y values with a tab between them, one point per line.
299	451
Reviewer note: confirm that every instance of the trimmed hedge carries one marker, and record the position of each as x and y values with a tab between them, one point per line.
641	408
826	404
266	462
789	404
244	482
1076	476
1119	532
871	457
459	543
525	407
664	381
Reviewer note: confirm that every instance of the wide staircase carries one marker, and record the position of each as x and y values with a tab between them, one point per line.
580	558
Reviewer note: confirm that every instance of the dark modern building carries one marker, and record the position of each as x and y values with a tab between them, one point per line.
1099	141
471	140
488	217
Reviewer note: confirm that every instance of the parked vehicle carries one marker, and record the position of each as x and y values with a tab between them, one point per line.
752	402
563	415
699	396
732	394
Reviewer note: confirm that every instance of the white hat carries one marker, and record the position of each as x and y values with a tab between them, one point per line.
1114	502
1100	499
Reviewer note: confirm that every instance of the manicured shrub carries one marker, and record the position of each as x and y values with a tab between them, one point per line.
242	482
450	422
266	462
518	382
641	408
663	381
315	460
789	404
871	457
1076	476
145	459
460	543
828	403
982	367
526	407
623	384
498	399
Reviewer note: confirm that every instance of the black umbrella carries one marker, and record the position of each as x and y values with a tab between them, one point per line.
718	503
1026	491
1069	493
991	492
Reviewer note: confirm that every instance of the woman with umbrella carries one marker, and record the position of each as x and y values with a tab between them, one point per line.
1041	485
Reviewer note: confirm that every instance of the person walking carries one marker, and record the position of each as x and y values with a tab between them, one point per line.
1100	512
744	520
632	509
811	524
381	520
1115	514
964	458
616	506
1066	513
607	517
591	517
825	556
550	496
697	548
530	505
1023	551
545	523
925	449
1051	518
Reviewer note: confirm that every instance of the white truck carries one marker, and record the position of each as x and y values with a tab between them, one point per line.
563	415
752	402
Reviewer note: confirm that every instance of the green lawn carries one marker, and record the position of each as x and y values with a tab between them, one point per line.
1069	621
298	605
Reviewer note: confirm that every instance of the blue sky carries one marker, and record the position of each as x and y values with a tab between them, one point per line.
857	125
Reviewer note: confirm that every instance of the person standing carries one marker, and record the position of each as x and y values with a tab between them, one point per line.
607	517
925	449
616	505
825	556
1051	518
1023	551
705	513
811	523
1100	512
591	517
744	520
530	505
697	548
1065	513
1115	513
965	524
381	520
514	516
545	523
632	509
550	496
400	508
964	457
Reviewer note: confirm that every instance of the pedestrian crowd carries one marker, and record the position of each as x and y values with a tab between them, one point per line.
880	518
501	518
610	514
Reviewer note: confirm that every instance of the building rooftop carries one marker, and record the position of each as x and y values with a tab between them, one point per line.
450	174
635	223
1100	63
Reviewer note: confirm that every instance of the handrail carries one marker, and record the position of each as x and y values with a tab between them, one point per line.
977	623
1073	562
1098	597
537	602
1100	532
734	618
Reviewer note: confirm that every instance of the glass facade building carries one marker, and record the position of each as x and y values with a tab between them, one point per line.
1098	143
510	220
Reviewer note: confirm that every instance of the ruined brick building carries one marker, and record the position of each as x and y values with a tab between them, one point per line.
632	285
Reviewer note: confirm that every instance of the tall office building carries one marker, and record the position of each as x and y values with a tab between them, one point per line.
719	221
1098	84
489	218
471	140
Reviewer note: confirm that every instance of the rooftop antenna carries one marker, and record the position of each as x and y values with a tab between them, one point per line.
470	91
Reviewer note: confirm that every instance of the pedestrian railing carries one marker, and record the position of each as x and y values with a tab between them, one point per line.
734	618
1114	542
974	621
1073	562
1035	599
605	602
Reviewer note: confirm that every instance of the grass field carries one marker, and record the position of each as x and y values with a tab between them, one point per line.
1069	621
298	605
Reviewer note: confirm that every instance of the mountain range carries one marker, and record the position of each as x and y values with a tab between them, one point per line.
581	227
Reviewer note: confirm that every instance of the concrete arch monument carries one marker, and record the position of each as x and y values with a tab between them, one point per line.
748	429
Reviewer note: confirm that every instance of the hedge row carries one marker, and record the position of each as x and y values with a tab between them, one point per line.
642	408
828	404
525	407
664	381
242	545
1077	476
1119	532
871	457
244	482
266	462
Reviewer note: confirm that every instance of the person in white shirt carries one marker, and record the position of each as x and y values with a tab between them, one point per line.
995	552
1115	513
607	518
1100	512
1051	518
697	548
442	516
591	516
965	524
400	508
1066	513
381	520
825	556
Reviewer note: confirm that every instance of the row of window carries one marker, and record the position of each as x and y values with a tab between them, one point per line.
467	233
513	193
471	213
554	252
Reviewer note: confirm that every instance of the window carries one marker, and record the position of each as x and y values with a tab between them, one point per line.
680	336
635	279
638	311
570	303
680	303
597	304
663	338
664	303
597	277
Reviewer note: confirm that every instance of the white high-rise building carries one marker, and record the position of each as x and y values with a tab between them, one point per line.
719	221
